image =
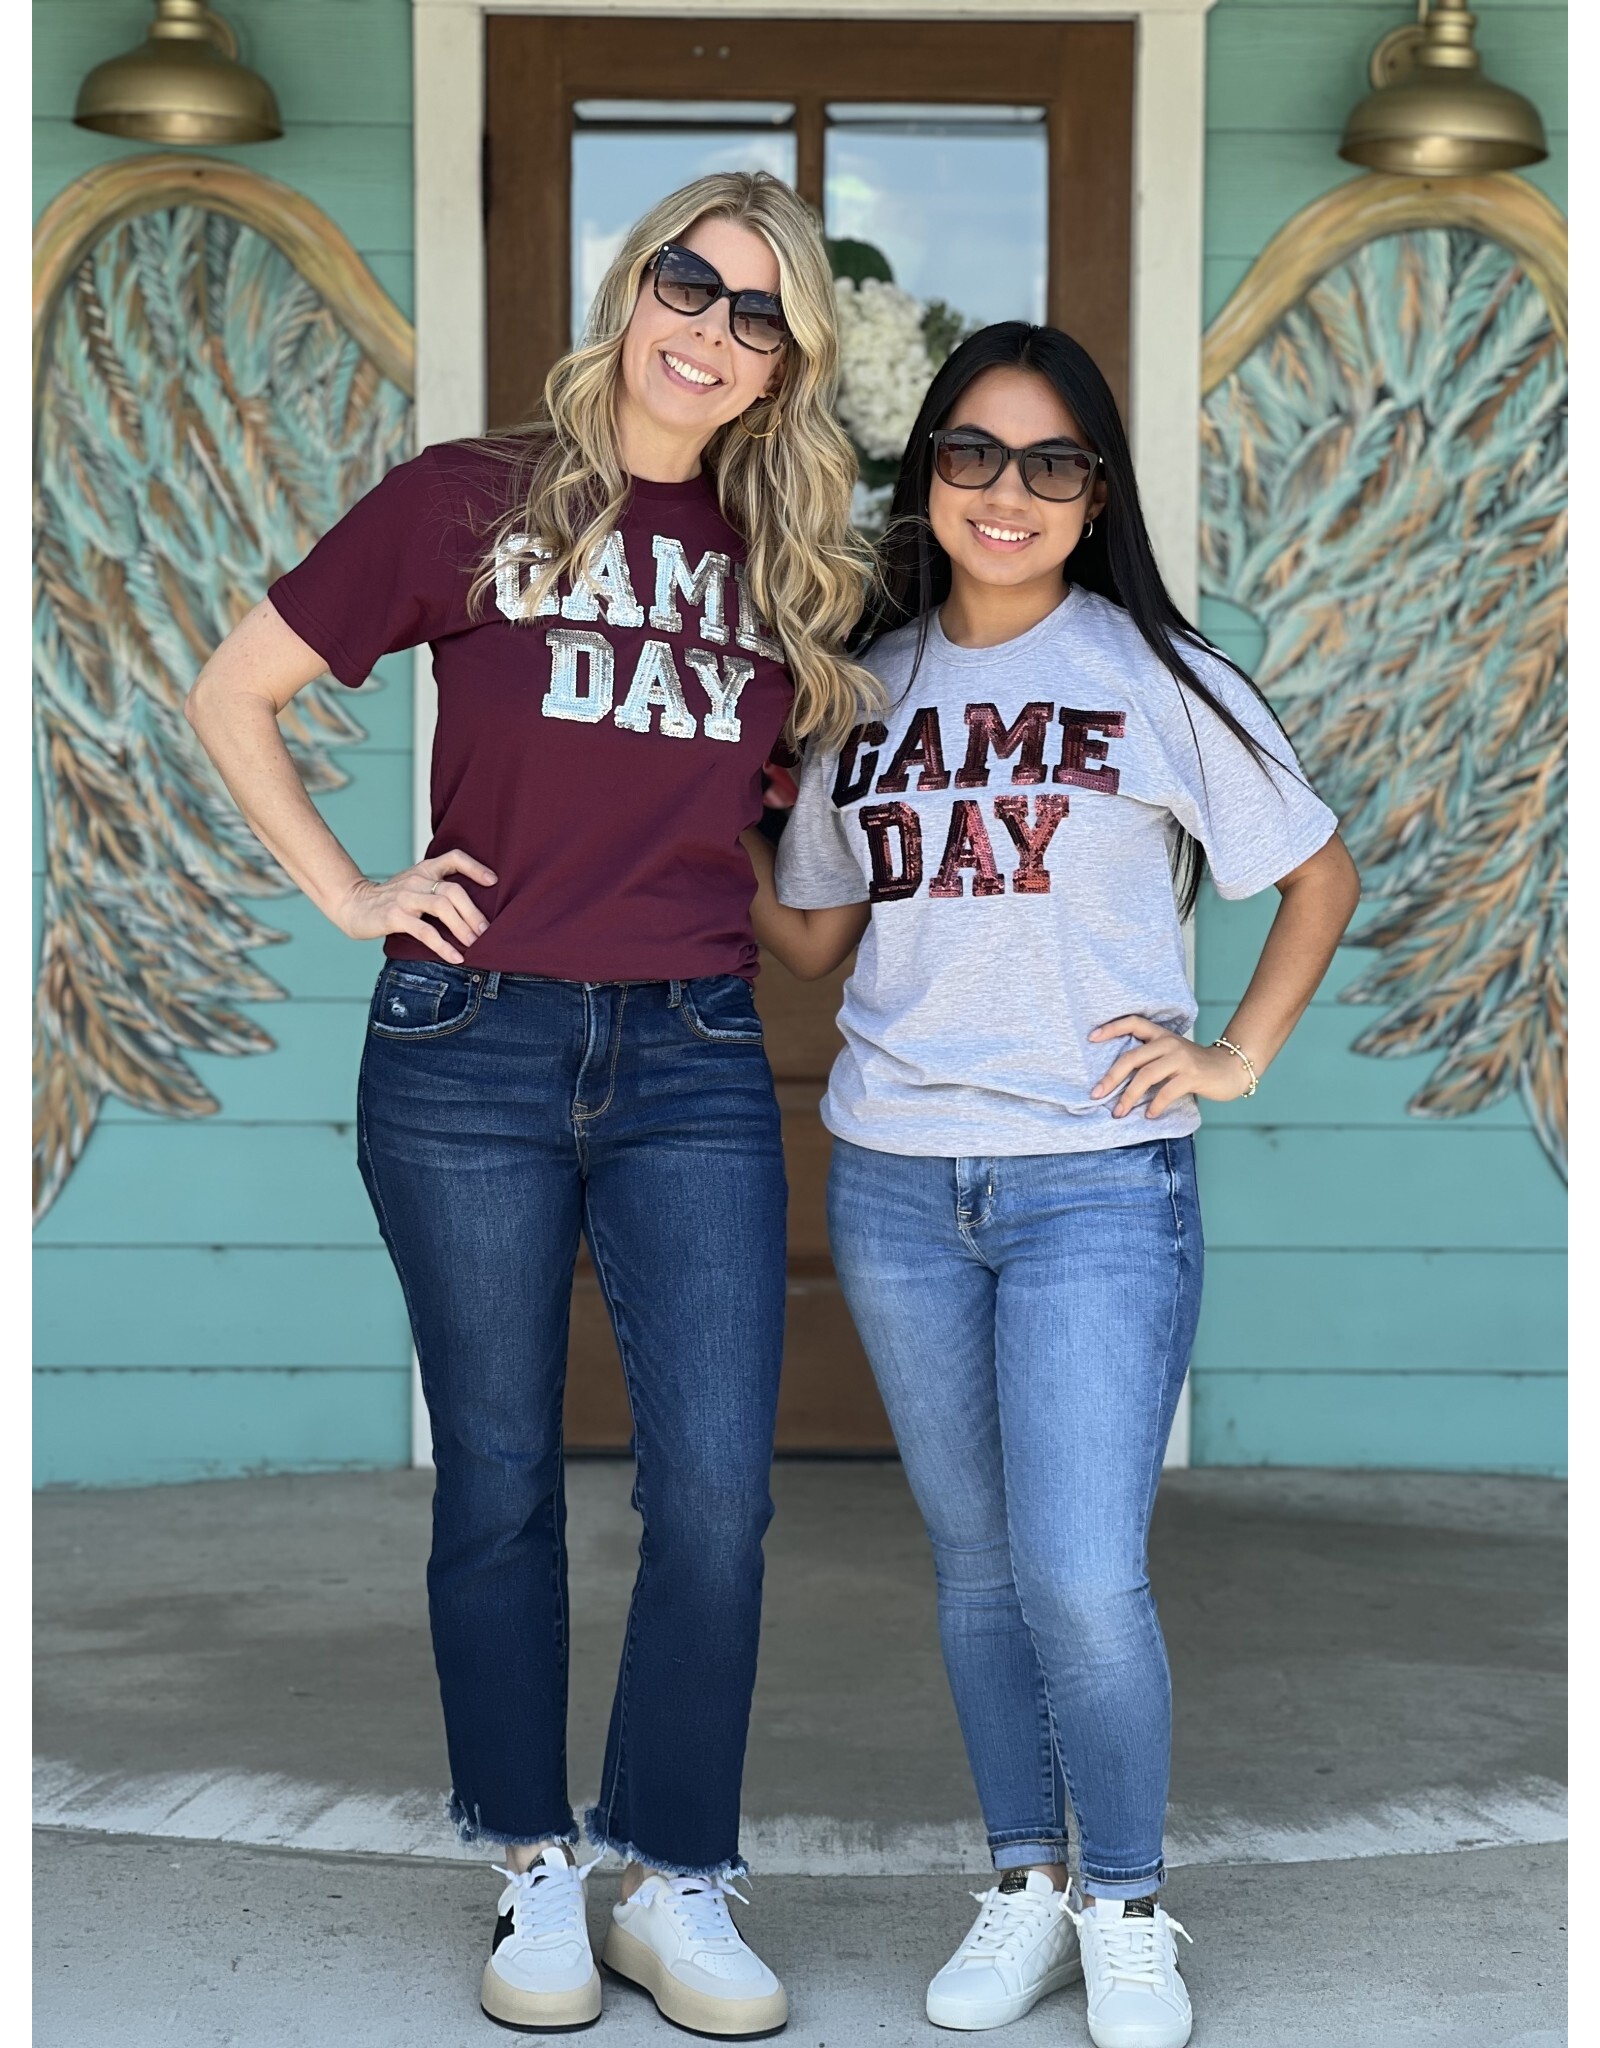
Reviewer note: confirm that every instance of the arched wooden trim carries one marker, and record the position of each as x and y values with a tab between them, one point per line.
1501	207
102	199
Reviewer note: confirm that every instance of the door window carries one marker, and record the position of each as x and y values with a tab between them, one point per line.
626	154
954	198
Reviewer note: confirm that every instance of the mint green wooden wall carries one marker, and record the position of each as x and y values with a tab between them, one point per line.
212	1297
1379	1291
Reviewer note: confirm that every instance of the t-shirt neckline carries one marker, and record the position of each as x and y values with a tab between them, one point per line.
1023	643
700	485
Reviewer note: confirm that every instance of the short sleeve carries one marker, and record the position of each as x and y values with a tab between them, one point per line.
1256	816
817	867
394	572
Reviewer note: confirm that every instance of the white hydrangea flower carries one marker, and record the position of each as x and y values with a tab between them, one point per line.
883	364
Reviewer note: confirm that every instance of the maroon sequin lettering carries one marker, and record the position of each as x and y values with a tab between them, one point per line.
878	821
986	729
967	847
1031	878
922	749
848	787
1078	749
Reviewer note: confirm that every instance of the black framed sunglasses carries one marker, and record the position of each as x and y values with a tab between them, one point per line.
1056	471
687	283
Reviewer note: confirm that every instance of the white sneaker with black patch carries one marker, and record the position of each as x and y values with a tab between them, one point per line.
1021	1947
675	1938
540	1977
1130	1971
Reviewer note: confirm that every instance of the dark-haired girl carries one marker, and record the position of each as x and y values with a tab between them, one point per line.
1012	1204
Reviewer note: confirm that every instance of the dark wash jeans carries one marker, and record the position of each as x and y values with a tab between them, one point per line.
499	1116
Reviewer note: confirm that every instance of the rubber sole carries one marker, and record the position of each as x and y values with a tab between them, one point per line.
1116	2037
960	2020
539	2012
713	2019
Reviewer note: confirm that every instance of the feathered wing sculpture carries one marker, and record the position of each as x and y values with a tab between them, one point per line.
217	378
1384	486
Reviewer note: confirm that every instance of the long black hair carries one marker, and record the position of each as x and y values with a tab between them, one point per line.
1116	560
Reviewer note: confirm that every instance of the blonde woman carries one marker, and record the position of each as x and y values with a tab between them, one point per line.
628	601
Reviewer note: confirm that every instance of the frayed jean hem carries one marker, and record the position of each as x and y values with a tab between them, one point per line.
630	1852
471	1827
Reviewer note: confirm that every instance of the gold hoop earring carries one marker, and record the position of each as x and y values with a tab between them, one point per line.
777	421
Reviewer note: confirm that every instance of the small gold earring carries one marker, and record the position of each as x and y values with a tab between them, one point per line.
767	436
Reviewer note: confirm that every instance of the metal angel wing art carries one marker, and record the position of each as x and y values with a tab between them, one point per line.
217	377
1384	490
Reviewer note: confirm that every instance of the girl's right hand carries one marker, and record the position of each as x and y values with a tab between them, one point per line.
404	903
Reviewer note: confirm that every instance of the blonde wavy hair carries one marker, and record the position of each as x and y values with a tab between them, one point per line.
786	494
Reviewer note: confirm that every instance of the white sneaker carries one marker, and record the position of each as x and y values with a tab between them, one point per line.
540	1977
1130	1970
675	1938
1021	1947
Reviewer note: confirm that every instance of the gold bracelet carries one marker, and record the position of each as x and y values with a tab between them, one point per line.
1228	1045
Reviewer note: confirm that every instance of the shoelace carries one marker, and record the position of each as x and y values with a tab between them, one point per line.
702	1905
548	1902
1131	1949
1006	1919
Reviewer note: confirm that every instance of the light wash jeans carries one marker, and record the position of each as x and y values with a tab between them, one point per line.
1029	1322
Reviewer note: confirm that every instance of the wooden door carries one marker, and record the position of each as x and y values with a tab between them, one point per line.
571	100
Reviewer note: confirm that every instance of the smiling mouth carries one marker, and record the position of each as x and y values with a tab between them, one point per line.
1001	536
687	373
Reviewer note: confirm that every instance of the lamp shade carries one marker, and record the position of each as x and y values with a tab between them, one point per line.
1432	113
183	84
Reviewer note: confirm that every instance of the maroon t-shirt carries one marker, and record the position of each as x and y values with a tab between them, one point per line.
602	757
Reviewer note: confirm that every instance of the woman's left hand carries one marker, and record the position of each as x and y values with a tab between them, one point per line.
1165	1067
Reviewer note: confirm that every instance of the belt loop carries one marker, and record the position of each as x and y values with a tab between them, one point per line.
674	994
491	987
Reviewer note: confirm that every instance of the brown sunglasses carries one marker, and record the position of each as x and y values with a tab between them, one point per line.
1057	471
687	283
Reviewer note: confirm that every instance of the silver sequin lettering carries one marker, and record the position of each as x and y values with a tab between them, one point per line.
608	572
564	699
655	682
705	588
514	554
722	677
754	633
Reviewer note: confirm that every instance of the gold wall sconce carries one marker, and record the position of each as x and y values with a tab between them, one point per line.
183	84
1431	112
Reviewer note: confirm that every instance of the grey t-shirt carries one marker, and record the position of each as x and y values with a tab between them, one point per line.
1011	818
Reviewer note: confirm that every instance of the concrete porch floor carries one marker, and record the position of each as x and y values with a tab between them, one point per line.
241	1763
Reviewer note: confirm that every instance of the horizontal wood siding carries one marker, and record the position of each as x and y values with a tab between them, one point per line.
1380	1290
1440	1421
222	1307
138	1427
1331	1310
212	1298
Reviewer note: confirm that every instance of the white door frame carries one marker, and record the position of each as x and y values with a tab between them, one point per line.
1165	315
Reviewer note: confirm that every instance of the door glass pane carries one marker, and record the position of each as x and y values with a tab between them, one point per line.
952	197
946	206
627	154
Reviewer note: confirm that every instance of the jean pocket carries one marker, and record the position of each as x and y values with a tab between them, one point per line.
417	1001
721	1009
